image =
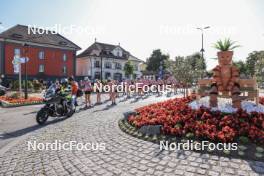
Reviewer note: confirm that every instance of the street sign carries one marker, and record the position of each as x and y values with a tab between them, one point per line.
16	68
16	64
24	60
21	60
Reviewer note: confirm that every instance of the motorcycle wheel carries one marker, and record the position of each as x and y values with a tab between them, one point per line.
42	116
71	111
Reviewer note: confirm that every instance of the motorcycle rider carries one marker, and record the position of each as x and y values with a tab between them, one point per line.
64	90
64	87
58	102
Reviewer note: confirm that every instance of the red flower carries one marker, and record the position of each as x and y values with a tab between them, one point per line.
177	118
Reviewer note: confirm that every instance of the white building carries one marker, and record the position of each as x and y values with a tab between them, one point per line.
113	59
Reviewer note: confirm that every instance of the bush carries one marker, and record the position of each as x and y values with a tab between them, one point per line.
36	85
15	84
15	95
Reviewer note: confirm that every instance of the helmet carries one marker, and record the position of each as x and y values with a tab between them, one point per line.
86	78
64	81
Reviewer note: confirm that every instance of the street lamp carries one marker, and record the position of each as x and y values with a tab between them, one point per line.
101	68
101	75
202	30
161	70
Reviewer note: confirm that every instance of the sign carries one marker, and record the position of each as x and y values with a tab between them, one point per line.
16	68
16	64
17	61
21	60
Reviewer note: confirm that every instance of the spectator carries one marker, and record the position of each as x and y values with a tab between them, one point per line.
87	88
98	89
74	90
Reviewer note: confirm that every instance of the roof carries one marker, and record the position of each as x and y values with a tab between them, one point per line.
136	59
20	33
105	50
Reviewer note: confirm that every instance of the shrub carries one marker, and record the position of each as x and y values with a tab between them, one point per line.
15	95
15	84
36	85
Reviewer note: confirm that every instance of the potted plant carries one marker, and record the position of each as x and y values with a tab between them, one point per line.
225	48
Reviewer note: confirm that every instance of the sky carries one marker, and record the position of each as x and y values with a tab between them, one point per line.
140	26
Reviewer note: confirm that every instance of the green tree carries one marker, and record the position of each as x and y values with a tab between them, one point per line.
181	70
188	69
255	65
198	65
242	66
153	62
251	62
129	69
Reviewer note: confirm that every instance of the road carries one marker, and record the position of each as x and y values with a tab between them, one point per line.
122	155
16	122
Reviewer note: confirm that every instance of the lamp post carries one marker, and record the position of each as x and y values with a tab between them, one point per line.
101	69
202	30
101	75
161	70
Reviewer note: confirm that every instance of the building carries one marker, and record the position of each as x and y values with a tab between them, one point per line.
106	60
50	55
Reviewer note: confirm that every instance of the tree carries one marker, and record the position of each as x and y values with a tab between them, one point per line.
153	62
129	69
198	65
251	62
242	66
255	65
188	69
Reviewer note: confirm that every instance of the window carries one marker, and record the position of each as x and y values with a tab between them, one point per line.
118	76
108	65
136	67
41	55
97	64
118	66
64	57
107	75
17	52
64	70
97	75
118	52
41	68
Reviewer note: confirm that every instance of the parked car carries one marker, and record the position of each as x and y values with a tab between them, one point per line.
2	90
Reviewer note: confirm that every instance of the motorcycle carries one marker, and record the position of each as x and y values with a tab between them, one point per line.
56	105
3	90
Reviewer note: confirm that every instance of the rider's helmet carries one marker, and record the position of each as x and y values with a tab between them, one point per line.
64	82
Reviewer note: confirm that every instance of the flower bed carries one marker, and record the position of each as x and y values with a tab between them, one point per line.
261	100
14	102
179	120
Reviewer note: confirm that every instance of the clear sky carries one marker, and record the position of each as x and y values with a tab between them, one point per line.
143	25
